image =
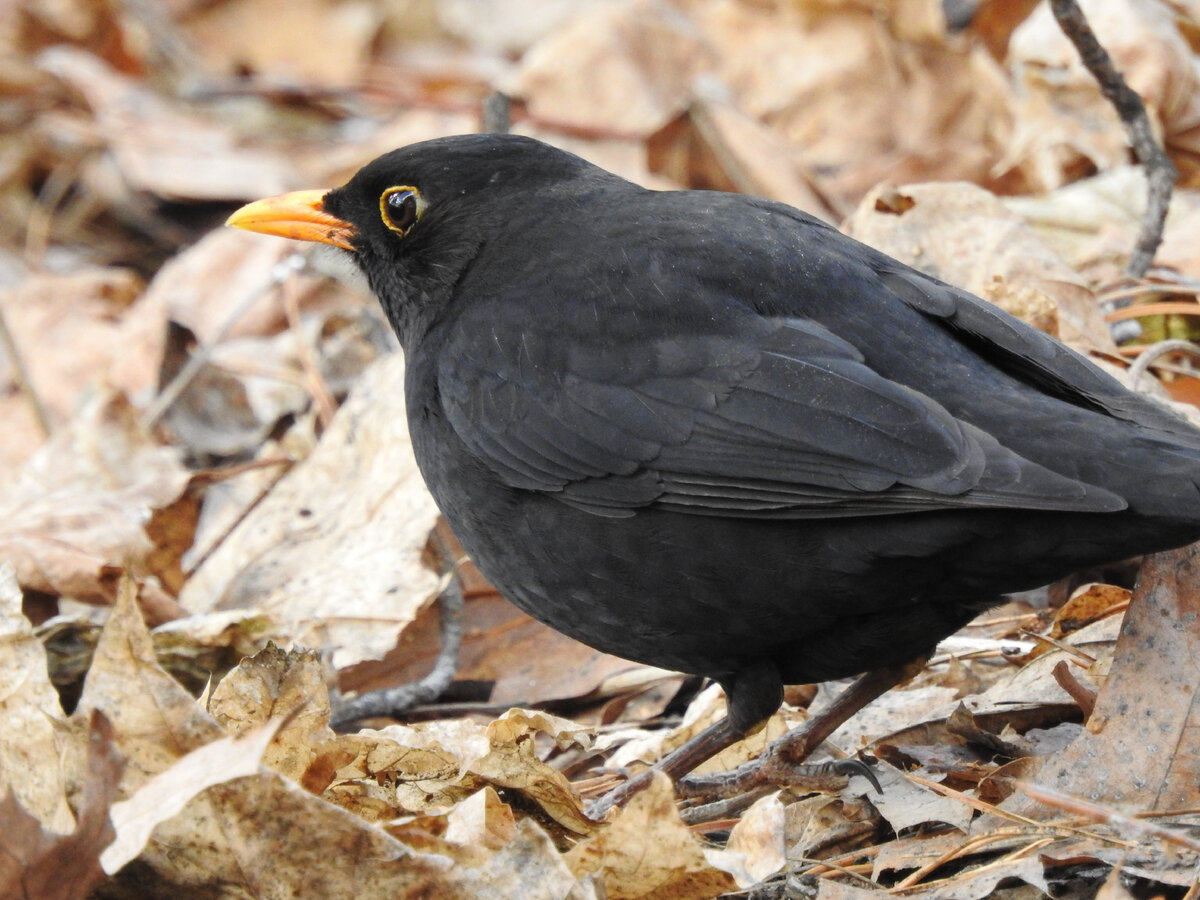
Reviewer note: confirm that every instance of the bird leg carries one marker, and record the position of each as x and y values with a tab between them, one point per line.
752	695
781	763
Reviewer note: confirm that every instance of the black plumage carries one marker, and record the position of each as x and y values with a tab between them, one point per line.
711	433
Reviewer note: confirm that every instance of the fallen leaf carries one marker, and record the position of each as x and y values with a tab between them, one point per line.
30	737
1135	751
39	864
69	329
162	148
905	804
506	26
757	845
621	68
648	853
155	721
167	793
341	570
431	766
78	511
1064	113
908	104
275	684
482	820
964	235
310	41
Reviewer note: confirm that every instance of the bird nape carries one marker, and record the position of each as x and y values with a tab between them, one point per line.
711	433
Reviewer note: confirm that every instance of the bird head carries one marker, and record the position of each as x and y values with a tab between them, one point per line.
414	219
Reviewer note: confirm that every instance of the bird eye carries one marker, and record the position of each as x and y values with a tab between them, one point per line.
400	208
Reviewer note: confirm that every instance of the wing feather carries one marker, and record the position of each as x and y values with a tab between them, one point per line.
771	417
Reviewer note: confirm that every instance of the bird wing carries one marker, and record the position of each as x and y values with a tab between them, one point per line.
732	414
1030	355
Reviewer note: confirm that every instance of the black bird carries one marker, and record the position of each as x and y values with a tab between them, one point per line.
709	432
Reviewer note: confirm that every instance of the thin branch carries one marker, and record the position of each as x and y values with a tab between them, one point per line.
314	381
21	375
1151	354
296	262
1160	171
1097	812
496	113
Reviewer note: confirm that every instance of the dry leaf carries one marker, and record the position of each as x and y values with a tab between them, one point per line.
861	97
339	568
433	765
30	737
38	864
221	286
482	820
648	853
272	684
79	510
1072	118
622	68
1136	751
506	26
524	661
757	845
70	329
905	804
964	235
168	792
166	150
309	41
155	721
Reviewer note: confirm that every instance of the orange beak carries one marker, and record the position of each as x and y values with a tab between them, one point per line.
299	215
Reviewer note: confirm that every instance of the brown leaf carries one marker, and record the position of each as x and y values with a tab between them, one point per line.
275	683
311	41
622	68
525	662
155	721
505	26
1136	751
905	803
340	569
206	286
80	507
716	146
512	763
966	236
908	105
648	853
482	820
432	765
165	149
68	328
166	794
1065	117
31	742
757	845
1088	603
38	864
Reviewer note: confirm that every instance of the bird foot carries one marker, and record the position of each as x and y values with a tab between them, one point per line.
728	794
781	765
722	792
597	809
773	771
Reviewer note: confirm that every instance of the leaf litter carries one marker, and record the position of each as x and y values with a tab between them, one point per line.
200	555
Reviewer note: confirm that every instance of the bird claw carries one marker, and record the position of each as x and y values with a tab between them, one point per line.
851	767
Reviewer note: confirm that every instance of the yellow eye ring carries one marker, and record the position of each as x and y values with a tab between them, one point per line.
400	208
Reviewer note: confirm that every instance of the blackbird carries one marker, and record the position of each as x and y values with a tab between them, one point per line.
711	433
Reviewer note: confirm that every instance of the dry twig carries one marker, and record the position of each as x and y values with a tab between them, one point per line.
1160	171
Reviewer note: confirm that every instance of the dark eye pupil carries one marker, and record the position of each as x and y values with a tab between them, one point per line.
402	209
